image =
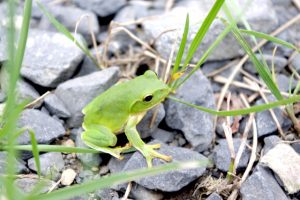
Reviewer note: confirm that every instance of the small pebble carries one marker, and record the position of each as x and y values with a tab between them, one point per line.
68	176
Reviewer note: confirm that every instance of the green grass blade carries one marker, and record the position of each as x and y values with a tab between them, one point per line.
114	179
269	38
262	70
53	148
11	113
220	38
61	28
182	45
202	31
245	111
35	152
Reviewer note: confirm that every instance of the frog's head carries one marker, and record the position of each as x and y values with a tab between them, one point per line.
152	91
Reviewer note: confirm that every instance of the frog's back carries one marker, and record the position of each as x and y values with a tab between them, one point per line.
111	108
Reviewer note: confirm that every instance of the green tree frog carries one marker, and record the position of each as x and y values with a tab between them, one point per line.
119	109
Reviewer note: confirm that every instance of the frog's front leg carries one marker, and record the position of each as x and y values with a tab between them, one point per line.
136	141
102	139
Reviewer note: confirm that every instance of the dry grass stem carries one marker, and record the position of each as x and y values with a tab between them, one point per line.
221	79
127	192
36	101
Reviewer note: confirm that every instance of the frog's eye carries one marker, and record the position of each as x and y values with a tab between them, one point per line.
148	98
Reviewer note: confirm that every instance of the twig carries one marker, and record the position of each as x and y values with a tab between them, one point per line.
128	189
33	103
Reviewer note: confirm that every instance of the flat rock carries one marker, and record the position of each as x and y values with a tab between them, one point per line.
170	181
52	164
45	128
175	19
145	128
55	106
69	17
102	8
78	92
20	166
262	185
221	155
285	162
28	184
46	69
196	125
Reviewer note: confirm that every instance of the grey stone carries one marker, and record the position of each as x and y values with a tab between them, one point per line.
221	155
196	125
115	165
214	196
170	181
86	175
264	121
175	19
69	17
3	42
27	185
295	62
107	194
144	126
47	69
45	128
136	10
55	106
87	159
25	92
270	142
2	97
296	147
163	136
52	164
139	192
102	8
78	92
284	82
279	63
20	167
261	185
88	66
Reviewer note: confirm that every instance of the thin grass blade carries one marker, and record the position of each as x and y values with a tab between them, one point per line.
270	38
202	31
257	108
35	152
182	45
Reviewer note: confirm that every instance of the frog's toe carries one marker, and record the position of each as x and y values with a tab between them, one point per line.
149	153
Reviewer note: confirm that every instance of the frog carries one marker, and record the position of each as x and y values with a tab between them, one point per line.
119	109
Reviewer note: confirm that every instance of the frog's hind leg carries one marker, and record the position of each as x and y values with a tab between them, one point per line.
101	139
